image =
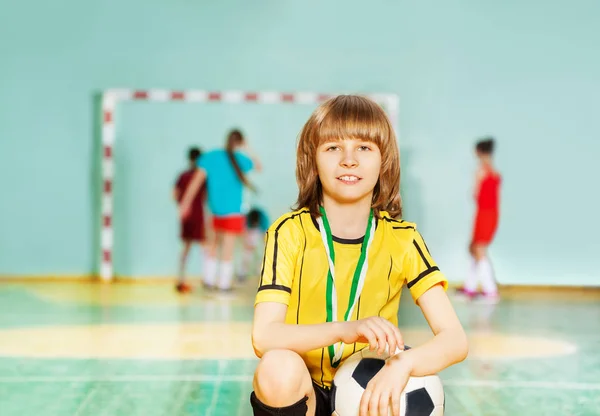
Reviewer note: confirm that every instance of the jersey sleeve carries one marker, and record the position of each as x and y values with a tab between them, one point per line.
420	270
282	247
245	162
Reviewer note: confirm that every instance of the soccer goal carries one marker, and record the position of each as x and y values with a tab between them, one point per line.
111	99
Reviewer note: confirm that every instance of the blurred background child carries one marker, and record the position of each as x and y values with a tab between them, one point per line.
192	227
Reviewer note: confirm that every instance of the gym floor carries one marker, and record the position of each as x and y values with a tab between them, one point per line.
82	348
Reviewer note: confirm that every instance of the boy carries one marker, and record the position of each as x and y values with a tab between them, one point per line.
333	272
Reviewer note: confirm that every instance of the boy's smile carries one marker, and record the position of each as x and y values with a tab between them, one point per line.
349	179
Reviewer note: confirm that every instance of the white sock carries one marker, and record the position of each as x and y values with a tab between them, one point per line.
486	273
226	275
472	277
210	270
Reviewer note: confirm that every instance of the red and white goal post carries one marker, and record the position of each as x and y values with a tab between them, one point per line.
111	98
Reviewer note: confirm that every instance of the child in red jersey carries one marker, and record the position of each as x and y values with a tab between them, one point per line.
487	198
192	227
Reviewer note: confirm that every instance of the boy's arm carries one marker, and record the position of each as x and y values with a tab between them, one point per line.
447	347
176	194
269	332
427	286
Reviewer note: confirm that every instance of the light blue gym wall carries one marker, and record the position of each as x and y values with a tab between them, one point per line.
527	72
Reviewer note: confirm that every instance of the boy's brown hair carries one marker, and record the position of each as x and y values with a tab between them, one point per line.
349	117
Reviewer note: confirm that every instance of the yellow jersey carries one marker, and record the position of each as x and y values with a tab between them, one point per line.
295	270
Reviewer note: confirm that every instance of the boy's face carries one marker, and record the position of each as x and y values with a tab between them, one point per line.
348	169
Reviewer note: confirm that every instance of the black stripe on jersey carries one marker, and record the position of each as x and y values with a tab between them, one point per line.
389	274
420	252
300	278
348	240
389	286
392	220
275	287
404	227
275	245
422	275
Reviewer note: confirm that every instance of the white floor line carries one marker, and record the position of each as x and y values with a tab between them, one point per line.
500	384
88	399
218	381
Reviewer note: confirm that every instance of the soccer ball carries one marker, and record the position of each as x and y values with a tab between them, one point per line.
422	396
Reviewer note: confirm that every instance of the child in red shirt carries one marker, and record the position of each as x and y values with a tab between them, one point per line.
192	227
487	200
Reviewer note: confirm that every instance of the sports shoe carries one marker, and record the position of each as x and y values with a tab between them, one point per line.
183	288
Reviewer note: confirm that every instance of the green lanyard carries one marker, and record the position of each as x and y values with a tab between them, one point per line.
358	280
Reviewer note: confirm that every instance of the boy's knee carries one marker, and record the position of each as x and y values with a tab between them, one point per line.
281	378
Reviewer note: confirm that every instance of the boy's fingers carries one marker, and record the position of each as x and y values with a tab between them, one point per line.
381	335
396	402
370	336
389	335
364	403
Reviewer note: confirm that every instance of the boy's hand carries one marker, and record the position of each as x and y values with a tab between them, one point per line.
385	389
375	331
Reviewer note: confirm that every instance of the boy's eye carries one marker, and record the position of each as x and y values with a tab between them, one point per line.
331	148
364	148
